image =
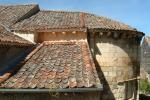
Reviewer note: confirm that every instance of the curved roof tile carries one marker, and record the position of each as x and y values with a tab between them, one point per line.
10	14
65	20
57	65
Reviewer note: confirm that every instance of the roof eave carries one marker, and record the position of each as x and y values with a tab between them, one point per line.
52	29
67	90
121	30
16	44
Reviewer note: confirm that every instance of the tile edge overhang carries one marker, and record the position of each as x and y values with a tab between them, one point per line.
67	90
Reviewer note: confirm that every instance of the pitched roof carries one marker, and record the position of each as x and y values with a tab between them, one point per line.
57	65
67	20
8	38
10	14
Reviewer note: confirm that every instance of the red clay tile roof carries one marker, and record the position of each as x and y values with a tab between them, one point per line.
57	65
10	14
67	20
8	38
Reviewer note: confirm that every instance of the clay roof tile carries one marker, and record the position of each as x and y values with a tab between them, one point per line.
61	71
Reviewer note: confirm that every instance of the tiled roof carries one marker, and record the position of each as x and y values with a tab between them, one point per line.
8	38
66	20
57	65
10	14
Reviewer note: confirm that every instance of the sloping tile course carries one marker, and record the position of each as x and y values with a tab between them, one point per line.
65	20
10	14
57	65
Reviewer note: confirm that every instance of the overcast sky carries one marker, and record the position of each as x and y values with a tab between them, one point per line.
135	13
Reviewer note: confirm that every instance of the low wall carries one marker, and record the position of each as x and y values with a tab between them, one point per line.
61	36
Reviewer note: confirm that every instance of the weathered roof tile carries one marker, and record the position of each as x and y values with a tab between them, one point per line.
44	20
70	72
10	14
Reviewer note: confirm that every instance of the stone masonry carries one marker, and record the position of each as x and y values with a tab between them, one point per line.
117	64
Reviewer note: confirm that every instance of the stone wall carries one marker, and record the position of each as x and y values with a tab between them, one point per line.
39	37
51	96
117	64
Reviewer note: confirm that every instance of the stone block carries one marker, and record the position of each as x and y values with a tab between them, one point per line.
105	73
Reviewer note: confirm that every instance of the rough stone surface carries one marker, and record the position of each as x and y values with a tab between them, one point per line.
117	64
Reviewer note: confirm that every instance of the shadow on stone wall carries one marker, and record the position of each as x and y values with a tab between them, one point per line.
107	93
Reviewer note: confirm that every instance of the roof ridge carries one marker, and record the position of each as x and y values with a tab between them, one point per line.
33	52
18	5
64	11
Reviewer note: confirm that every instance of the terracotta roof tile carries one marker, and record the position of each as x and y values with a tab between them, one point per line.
11	14
57	65
65	20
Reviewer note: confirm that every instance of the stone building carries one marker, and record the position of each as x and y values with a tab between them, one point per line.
82	54
145	57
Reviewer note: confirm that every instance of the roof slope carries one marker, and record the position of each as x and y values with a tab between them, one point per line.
57	65
8	38
10	14
62	19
